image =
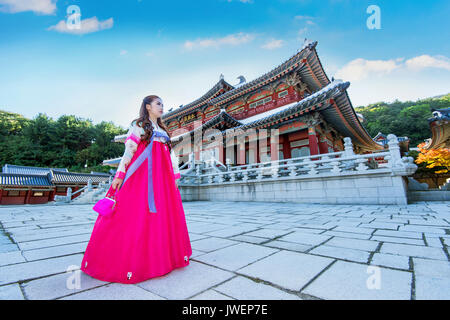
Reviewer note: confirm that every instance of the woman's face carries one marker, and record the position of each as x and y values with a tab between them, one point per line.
156	108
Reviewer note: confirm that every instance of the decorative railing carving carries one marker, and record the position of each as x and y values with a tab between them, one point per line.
320	165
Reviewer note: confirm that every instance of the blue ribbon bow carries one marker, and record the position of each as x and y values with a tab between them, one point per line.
147	154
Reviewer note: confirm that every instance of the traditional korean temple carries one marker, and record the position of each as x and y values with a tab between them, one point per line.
311	112
36	185
440	129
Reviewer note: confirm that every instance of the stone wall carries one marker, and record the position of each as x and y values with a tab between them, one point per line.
371	188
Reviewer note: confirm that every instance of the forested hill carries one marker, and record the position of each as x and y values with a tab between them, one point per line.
69	142
403	118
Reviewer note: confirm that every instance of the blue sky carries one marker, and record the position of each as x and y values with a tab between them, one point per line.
127	49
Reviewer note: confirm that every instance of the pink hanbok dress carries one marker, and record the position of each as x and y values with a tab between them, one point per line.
146	236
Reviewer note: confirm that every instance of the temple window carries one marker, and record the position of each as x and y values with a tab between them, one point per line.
282	94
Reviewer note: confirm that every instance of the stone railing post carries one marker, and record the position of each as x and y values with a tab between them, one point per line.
399	165
89	184
69	194
228	164
348	147
191	160
394	151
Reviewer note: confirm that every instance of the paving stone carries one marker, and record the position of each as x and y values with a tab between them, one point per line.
377	225
399	234
211	295
39	235
434	242
347	235
11	257
34	269
236	256
390	260
244	226
341	253
53	242
293	270
11	292
354	230
418	228
231	231
366	245
267	233
244	238
304	238
432	279
8	247
353	281
51	252
205	228
186	282
242	288
115	291
413	251
211	243
288	245
398	240
60	285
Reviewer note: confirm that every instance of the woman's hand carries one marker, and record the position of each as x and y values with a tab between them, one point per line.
117	183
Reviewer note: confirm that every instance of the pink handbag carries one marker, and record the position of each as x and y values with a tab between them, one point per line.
105	206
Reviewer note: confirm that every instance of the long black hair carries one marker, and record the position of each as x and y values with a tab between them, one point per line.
144	121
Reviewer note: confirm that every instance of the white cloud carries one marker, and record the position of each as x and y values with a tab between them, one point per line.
87	26
123	52
302	31
360	68
232	39
37	6
273	44
300	17
426	61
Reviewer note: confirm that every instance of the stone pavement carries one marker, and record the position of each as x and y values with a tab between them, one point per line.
244	250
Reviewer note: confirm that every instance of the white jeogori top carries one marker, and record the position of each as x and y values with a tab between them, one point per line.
131	142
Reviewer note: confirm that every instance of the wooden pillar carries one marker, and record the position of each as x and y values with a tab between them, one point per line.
313	144
323	145
286	147
1	192
28	196
51	196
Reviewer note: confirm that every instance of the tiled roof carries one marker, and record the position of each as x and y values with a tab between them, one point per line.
10	168
221	84
76	177
310	71
15	179
334	88
36	176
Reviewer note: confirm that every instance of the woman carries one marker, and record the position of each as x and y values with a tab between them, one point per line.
146	236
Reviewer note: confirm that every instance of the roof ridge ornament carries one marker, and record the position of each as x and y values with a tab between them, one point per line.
308	43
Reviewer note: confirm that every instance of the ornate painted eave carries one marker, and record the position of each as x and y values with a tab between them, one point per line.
331	101
306	61
440	129
314	102
219	87
343	117
221	117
